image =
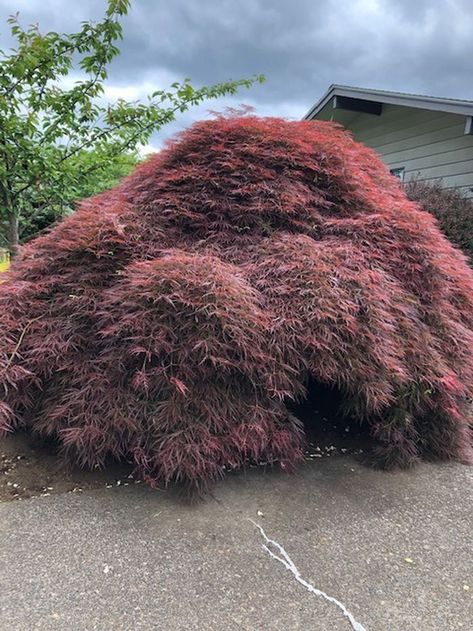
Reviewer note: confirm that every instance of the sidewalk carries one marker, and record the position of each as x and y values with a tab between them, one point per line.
395	549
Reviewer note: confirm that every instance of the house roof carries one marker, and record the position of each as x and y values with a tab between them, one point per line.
419	101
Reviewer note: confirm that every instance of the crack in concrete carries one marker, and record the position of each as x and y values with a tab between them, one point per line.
288	563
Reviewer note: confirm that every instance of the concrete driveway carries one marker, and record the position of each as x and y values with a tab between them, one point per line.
394	549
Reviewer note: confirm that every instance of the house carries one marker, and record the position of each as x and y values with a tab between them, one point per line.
422	137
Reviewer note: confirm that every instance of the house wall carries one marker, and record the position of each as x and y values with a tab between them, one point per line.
429	145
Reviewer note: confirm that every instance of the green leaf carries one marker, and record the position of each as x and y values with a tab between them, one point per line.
60	142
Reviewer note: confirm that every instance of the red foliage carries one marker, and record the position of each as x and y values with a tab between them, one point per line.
452	209
172	319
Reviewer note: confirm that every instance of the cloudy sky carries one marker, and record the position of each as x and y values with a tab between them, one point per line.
302	46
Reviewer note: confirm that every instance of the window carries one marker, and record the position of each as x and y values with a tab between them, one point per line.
398	172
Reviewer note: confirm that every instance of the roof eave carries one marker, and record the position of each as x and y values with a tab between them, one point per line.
463	108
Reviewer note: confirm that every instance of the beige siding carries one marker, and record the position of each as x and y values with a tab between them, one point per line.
429	145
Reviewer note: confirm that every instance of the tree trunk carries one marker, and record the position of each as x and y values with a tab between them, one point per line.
6	201
13	237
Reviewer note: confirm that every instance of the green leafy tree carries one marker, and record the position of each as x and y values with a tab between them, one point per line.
103	172
47	126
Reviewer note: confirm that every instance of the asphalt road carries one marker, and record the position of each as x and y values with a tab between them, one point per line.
394	549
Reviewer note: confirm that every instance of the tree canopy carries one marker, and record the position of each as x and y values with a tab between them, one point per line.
40	215
53	111
173	321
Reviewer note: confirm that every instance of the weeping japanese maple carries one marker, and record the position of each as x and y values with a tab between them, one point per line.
172	320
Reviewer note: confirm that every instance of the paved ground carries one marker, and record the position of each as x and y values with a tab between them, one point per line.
395	549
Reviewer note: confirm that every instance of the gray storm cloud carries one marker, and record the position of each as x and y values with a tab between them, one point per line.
301	45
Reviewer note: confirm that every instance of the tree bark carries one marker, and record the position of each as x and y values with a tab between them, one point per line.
9	209
13	238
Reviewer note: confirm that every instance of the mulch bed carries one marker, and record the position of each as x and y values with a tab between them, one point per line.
28	468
